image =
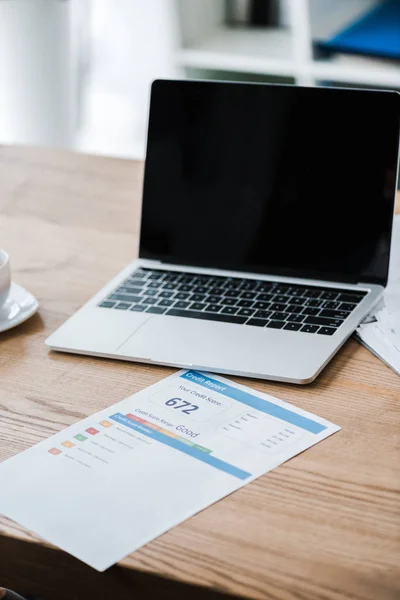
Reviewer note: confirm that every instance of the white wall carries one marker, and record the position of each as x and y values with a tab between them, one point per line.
133	42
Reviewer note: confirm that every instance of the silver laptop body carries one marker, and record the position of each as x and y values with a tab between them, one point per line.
238	184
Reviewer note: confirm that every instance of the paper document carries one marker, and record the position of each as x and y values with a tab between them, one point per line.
105	486
382	334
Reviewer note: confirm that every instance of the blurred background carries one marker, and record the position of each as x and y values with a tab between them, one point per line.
76	73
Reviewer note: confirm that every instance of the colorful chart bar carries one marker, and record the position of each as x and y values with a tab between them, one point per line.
167	432
260	404
178	445
67	444
92	431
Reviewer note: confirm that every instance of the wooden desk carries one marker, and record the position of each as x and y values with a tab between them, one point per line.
324	526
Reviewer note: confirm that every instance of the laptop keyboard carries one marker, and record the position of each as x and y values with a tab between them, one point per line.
234	300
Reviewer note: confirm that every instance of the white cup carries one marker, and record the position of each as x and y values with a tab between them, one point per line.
5	277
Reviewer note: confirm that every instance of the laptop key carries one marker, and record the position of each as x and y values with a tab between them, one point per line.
155	284
186	281
214	308
279	307
107	304
329	295
280	316
347	307
309	328
181	296
215	291
231	293
123	306
323	321
265	286
228	301
354	298
249	285
309	310
296	292
165	294
313	303
257	322
293	308
296	318
244	303
281	289
275	324
156	310
232	284
265	297
312	293
229	310
181	304
151	292
263	314
174	312
248	295
213	299
172	277
138	283
200	290
138	307
184	288
280	298
198	297
326	330
292	326
340	314
246	312
262	305
147	300
126	289
125	298
197	305
206	280
297	301
330	304
166	302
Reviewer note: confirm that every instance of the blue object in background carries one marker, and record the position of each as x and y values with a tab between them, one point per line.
376	33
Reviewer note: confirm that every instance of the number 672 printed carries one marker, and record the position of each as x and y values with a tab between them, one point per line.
179	402
182	405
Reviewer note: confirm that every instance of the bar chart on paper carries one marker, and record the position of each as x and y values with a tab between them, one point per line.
130	433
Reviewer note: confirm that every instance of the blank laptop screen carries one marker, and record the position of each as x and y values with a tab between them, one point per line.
271	179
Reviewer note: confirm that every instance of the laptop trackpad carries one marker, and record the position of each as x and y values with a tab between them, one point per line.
179	341
190	342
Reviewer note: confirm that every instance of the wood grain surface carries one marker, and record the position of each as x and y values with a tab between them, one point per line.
323	526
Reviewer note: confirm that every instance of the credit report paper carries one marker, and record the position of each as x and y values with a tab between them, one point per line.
105	486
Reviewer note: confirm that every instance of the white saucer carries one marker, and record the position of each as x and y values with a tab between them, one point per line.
20	305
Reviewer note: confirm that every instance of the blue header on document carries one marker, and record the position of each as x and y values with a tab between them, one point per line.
254	402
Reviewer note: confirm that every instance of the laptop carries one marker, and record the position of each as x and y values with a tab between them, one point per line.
265	231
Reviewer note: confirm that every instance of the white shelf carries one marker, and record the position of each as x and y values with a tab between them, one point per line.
209	44
267	51
357	70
